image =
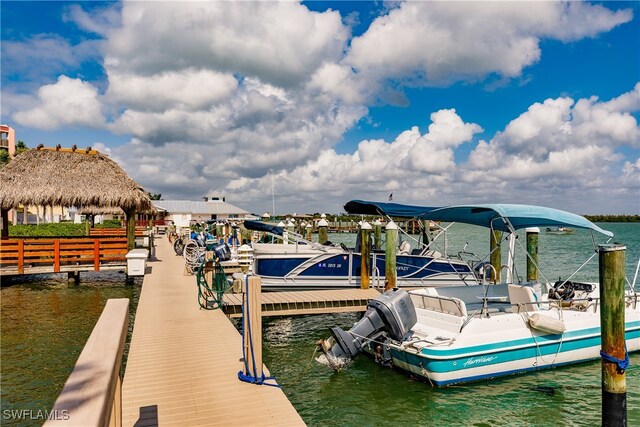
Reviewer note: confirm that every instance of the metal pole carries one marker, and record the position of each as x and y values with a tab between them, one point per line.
391	233
532	250
614	385
365	256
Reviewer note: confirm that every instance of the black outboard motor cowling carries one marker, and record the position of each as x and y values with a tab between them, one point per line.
392	312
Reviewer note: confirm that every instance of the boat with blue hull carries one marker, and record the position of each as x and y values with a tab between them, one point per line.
461	334
302	265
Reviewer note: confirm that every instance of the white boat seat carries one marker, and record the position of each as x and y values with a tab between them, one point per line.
523	297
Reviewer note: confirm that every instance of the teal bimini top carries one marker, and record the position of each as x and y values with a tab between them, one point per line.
496	216
519	216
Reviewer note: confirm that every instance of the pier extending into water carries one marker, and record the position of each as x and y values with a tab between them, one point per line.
183	362
305	302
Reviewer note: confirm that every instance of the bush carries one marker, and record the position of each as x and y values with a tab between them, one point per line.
63	229
110	223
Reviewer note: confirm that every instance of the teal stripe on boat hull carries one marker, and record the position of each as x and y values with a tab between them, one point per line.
456	369
501	345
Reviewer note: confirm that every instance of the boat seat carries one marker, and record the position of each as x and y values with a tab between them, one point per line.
523	297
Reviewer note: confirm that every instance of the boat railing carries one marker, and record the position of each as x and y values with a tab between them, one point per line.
92	395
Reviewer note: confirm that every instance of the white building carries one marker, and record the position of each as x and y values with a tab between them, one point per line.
185	212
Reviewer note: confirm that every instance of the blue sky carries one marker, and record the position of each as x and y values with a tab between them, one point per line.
435	102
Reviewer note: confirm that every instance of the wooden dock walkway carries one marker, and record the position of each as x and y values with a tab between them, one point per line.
305	302
183	362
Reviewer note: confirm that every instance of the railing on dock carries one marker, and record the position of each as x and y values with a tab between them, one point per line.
115	232
150	222
92	395
60	254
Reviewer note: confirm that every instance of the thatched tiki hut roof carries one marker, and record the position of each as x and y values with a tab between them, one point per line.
69	177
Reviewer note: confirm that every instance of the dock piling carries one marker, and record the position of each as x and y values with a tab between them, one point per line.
365	257
391	233
309	230
322	230
532	251
614	350
496	254
377	234
252	330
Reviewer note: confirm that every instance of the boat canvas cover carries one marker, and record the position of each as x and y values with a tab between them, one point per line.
496	216
362	207
519	216
263	226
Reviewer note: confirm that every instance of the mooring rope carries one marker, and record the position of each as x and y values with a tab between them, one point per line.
622	364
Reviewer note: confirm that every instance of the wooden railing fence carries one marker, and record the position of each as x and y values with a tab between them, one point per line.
61	252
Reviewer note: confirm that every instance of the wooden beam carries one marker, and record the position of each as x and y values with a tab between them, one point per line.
96	254
5	224
56	255
131	229
92	394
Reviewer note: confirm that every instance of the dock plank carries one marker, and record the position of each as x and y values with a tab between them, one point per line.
183	361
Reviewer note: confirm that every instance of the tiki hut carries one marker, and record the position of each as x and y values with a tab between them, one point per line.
70	177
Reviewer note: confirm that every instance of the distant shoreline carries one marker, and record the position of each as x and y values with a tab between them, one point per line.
613	218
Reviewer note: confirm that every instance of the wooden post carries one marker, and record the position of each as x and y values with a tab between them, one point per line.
87	227
365	255
323	234
5	224
309	230
377	234
291	227
391	233
96	254
56	255
285	233
612	283
252	328
532	251
496	254
131	229
21	256
73	276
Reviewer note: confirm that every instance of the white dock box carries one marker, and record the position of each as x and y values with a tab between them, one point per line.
136	262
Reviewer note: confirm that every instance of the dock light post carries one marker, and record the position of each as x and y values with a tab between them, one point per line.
365	256
391	233
323	226
532	250
377	234
495	237
614	351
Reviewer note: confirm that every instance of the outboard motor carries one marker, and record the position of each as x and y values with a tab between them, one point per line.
390	316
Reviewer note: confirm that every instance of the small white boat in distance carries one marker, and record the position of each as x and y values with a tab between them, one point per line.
559	230
470	333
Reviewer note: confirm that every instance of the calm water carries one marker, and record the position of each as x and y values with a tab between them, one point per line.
46	322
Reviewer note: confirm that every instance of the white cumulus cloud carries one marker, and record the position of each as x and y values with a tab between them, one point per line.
66	102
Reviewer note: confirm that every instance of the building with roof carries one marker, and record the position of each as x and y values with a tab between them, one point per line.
185	212
8	140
